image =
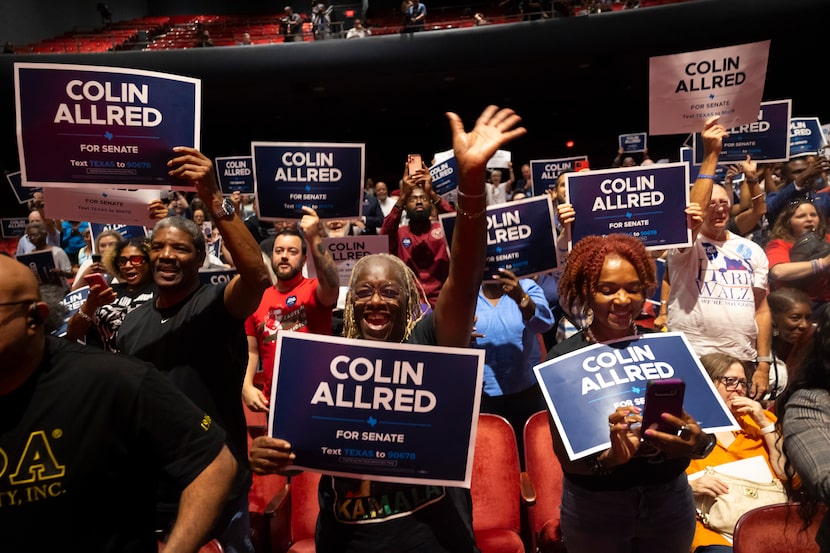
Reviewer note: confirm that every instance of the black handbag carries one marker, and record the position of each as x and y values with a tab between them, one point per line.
809	246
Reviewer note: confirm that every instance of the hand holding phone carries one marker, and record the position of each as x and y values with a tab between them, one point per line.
413	163
662	396
96	278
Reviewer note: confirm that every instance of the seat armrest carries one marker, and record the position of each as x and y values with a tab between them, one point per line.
277	516
528	491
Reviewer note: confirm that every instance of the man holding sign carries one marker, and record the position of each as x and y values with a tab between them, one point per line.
384	304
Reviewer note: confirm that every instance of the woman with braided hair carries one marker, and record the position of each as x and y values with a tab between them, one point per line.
638	494
384	304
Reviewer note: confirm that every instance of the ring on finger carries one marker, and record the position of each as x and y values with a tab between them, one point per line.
684	433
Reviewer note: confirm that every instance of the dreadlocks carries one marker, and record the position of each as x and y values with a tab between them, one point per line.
412	291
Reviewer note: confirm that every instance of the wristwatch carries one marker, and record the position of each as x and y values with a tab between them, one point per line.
707	448
226	209
525	301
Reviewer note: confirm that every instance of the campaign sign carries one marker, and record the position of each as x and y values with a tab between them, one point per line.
584	387
22	193
545	172
127	231
346	250
14	228
102	126
767	139
101	206
687	156
634	142
385	411
216	277
805	136
325	177
42	265
520	237
444	176
500	160
235	174
72	302
687	89
648	203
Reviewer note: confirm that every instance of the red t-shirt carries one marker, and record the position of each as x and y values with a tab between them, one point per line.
297	310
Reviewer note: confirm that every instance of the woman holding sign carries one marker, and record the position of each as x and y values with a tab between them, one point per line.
637	494
384	304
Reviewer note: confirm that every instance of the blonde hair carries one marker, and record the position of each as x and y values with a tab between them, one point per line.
413	294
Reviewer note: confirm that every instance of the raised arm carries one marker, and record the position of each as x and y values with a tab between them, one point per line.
455	308
713	135
328	286
243	293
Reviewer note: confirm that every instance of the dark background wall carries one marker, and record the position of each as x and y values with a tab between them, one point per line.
583	79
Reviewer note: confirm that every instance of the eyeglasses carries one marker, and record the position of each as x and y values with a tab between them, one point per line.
387	293
136	260
731	383
803	200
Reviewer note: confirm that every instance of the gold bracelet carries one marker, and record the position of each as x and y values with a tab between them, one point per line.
470	215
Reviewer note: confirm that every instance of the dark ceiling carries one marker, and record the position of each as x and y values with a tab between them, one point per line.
583	78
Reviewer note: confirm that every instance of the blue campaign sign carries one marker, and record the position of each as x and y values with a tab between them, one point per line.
806	136
634	142
520	237
216	277
102	126
648	203
687	156
388	412
584	387
72	302
235	173
127	231
444	176
325	177
767	139
42	265
545	172
22	193
14	228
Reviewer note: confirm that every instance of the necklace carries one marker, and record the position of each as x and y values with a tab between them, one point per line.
591	338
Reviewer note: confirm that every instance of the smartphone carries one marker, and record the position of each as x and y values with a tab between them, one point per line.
414	163
96	258
95	278
663	396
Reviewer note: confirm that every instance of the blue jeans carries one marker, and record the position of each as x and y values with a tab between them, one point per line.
644	519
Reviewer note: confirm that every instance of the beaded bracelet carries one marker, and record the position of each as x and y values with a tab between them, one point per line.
83	315
705	176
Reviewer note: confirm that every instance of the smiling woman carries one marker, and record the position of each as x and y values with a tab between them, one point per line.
106	307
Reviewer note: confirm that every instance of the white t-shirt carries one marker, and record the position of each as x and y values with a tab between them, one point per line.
712	299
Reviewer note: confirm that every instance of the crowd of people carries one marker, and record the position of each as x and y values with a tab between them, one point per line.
182	442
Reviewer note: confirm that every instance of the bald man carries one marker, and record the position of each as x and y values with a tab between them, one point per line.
84	435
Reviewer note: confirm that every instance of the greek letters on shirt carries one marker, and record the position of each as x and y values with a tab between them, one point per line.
33	474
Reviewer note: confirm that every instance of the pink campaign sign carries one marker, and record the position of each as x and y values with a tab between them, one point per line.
687	89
